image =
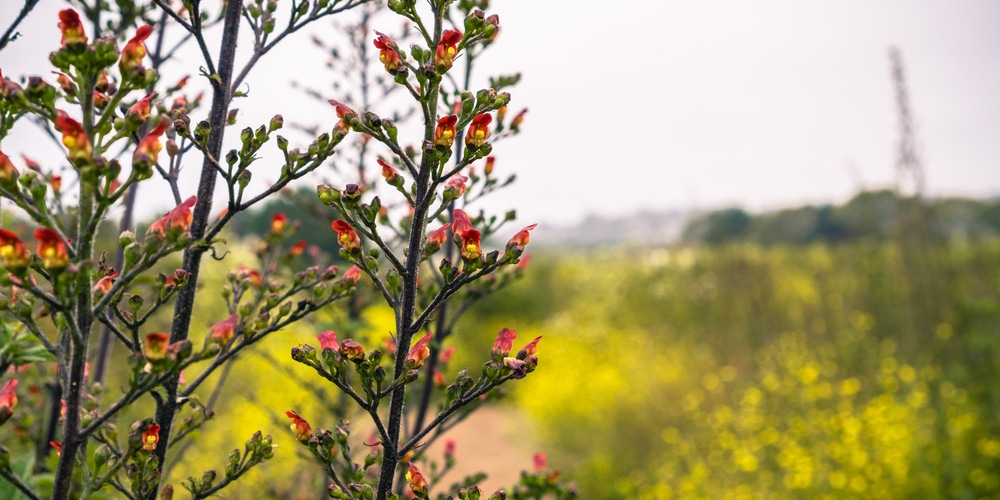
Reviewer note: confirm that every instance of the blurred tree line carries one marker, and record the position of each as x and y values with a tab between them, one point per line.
301	206
869	216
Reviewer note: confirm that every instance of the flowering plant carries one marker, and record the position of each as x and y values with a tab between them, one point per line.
66	303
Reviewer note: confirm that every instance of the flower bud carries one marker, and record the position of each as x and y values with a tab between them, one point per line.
276	123
328	195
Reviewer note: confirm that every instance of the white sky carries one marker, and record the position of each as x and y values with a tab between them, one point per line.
675	105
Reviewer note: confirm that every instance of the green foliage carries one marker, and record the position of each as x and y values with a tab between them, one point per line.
743	372
300	206
869	215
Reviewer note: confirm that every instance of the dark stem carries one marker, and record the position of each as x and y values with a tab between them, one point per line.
443	331
407	304
79	339
404	332
192	256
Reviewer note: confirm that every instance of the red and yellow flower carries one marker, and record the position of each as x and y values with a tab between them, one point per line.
416	481
150	437
346	115
65	83
419	353
74	138
71	28
521	238
223	330
437	238
251	275
297	248
347	237
100	100
155	348
147	153
389	173
529	349
134	50
388	53
301	428
140	110
179	218
352	350
479	130
51	249
12	252
444	133
278	223
471	248
104	284
103	83
342	110
446	50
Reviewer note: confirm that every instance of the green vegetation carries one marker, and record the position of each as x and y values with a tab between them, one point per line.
864	369
870	215
784	372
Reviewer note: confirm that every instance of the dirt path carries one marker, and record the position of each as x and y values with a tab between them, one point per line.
493	440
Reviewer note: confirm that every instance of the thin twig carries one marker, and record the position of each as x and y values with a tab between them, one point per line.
10	35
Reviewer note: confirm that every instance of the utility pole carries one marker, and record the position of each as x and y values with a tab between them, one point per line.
909	170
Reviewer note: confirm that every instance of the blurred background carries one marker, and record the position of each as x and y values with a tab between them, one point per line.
768	259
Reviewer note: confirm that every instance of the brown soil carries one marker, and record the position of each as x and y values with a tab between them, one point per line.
493	440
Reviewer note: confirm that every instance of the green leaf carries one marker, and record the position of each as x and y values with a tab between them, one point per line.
33	354
21	468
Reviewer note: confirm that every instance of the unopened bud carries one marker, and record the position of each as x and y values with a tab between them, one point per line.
126	238
352	192
328	195
371	120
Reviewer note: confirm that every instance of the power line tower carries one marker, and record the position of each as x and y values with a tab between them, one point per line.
909	169
919	277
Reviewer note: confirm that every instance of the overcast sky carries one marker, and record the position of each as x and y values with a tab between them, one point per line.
675	105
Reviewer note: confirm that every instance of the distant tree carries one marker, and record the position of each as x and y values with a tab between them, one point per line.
722	226
801	225
870	214
300	206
